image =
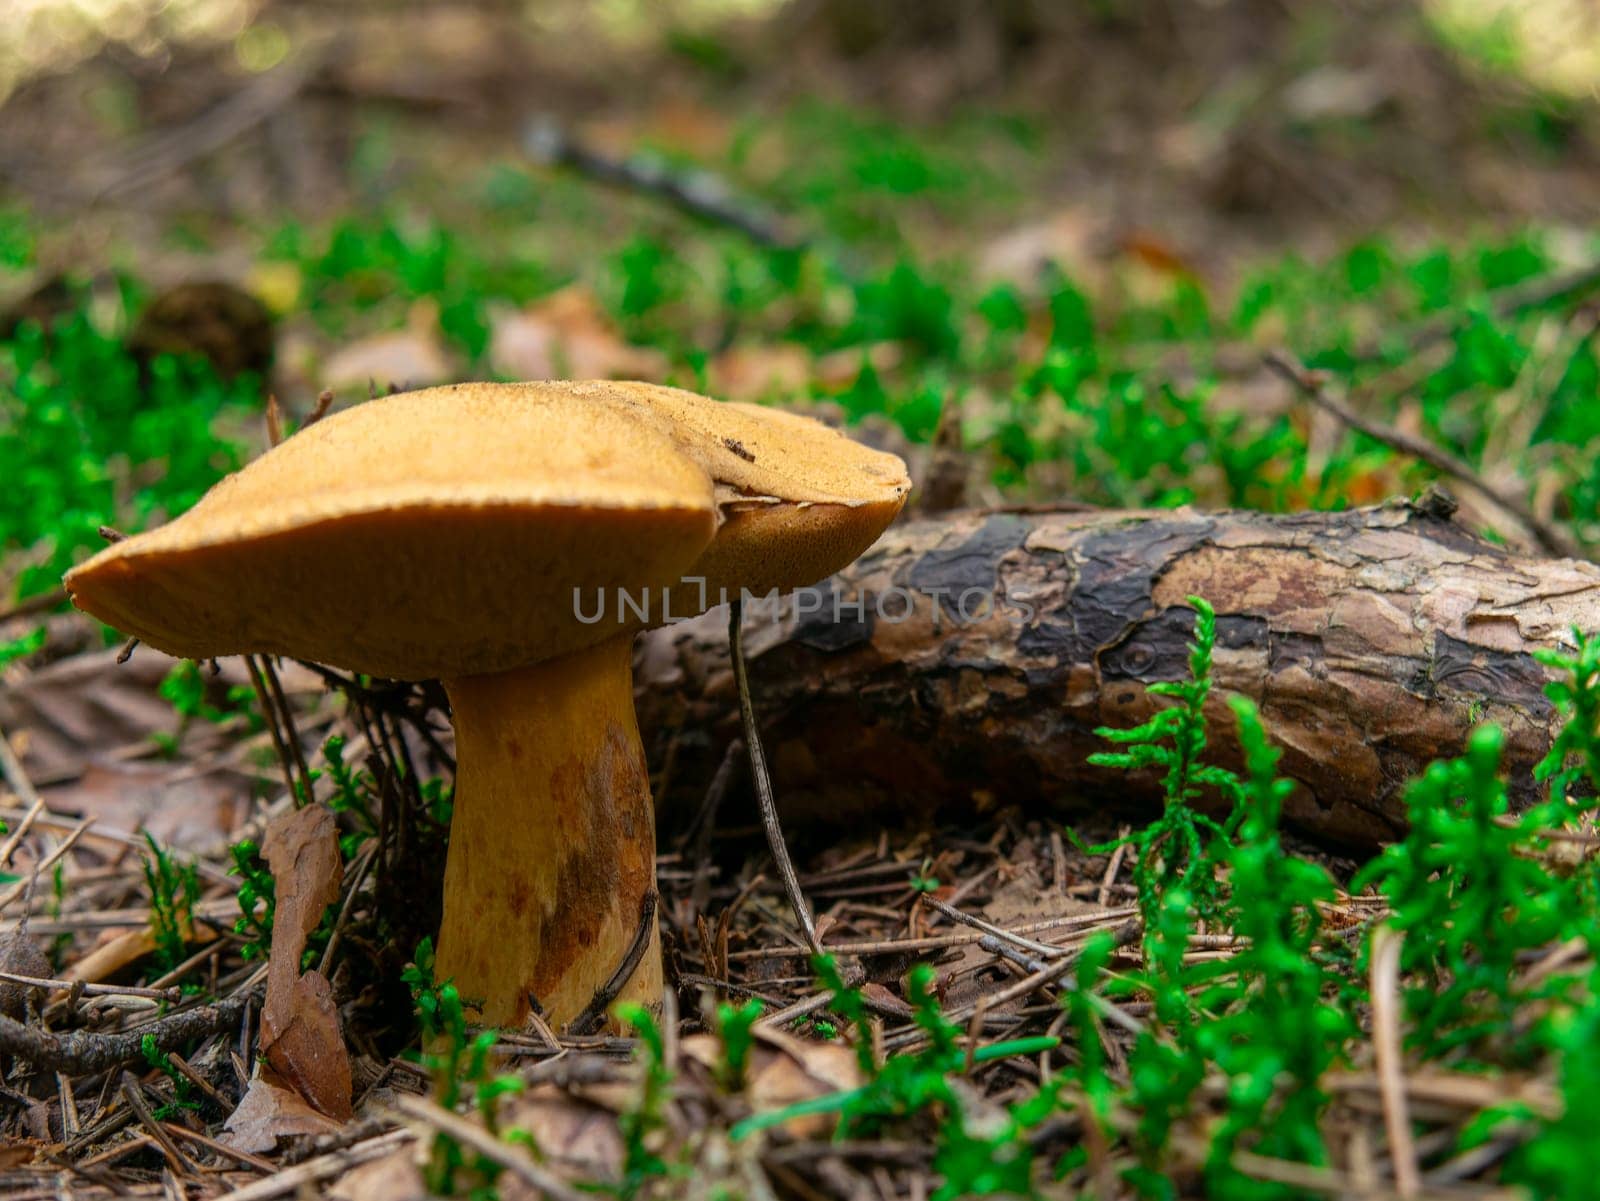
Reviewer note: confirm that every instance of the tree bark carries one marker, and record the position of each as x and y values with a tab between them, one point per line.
991	645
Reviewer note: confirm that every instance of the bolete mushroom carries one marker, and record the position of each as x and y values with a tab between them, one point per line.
467	534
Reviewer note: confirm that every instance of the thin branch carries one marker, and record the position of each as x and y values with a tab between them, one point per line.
95	990
992	931
83	1052
175	1158
25	887
42	603
269	713
15	775
763	782
1385	988
691	190
1310	385
291	735
589	1019
515	1161
9	847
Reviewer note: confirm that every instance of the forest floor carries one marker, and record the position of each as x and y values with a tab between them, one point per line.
1052	255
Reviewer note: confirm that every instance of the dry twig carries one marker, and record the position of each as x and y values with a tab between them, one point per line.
1385	985
763	783
1310	385
518	1163
589	1019
83	1052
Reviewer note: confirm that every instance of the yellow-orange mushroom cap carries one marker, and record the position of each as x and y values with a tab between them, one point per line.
445	532
427	534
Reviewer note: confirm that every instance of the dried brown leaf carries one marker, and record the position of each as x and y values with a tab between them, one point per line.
760	372
268	1112
579	1140
394	1177
414	357
19	1152
84	728
783	1071
567	335
300	1035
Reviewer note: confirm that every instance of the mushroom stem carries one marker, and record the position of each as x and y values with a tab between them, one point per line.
552	843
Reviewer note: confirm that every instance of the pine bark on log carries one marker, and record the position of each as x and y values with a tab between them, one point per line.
991	645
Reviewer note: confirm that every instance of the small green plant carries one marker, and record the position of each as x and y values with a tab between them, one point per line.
1165	1065
906	1085
173	889
92	438
460	1066
1574	757
645	1118
438	800
353	792
22	646
184	687
1556	1159
1178	849
1279	1027
256	888
1468	899
183	1097
258	903
735	1026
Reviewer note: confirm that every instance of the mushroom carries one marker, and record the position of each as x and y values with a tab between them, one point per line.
466	533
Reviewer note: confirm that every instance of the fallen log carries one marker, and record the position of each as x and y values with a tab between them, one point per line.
967	660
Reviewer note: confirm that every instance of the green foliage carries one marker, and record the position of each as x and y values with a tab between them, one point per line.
735	1025
1574	757
360	264
352	794
256	887
1119	391
861	174
22	646
354	790
1556	1158
184	687
904	305
460	1064
1274	1017
88	439
973	1162
174	888
643	1120
1174	851
418	977
1468	899
183	1097
1278	1027
1165	1065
